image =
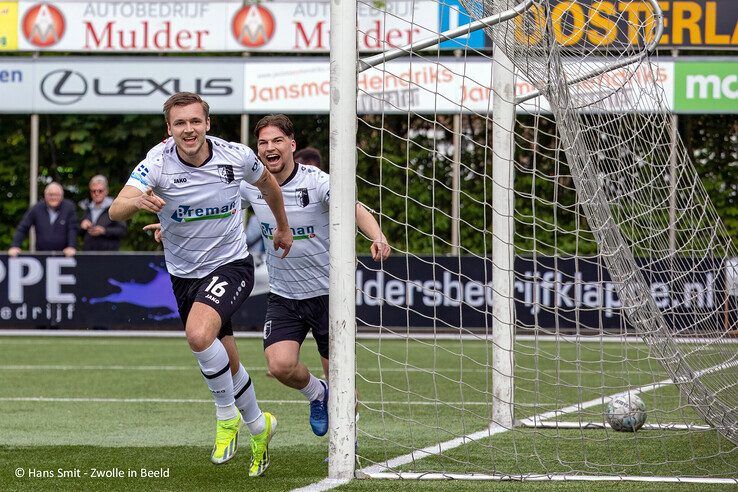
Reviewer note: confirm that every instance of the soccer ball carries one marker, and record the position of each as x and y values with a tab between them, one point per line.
626	413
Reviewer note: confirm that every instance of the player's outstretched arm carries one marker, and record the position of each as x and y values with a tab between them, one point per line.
272	194
380	248
130	200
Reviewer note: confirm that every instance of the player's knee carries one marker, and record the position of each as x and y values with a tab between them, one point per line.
199	340
283	370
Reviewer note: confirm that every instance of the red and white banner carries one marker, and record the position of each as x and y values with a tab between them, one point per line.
111	26
447	86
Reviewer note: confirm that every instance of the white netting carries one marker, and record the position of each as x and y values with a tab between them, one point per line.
621	270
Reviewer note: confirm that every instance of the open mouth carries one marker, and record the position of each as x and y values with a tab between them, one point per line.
190	140
272	158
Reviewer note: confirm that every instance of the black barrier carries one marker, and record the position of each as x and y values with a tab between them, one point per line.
97	291
132	291
554	294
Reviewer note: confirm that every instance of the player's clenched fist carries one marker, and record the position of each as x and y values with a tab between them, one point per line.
149	201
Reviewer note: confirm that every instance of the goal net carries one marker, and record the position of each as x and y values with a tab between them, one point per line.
553	248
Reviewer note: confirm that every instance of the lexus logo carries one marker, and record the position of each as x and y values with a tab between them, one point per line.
253	26
43	25
63	87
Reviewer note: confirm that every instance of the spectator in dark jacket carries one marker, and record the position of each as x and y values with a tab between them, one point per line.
100	233
54	220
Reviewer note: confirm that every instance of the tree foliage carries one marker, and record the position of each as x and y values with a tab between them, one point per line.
416	172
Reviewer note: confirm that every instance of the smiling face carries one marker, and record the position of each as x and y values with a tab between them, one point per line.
98	192
188	125
53	195
275	151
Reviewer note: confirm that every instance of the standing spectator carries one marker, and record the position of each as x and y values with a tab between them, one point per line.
100	233
310	156
54	220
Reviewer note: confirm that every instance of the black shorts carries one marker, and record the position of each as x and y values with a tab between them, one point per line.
292	319
224	290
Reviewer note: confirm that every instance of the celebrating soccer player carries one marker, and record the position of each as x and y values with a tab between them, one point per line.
298	298
191	181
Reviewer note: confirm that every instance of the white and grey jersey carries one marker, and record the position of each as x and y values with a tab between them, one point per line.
304	272
202	219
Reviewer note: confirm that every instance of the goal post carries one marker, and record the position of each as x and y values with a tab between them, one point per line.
342	308
503	242
553	252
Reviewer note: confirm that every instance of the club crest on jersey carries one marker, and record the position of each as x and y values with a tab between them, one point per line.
302	197
226	173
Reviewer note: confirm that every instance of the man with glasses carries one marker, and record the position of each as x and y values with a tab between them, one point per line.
100	233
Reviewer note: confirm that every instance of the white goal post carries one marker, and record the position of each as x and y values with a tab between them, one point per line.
570	203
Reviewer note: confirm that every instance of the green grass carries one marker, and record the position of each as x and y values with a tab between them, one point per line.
413	394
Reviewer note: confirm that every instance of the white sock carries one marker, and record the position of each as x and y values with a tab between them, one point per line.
215	367
314	389
257	425
243	392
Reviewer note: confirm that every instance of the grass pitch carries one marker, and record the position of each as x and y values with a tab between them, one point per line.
134	414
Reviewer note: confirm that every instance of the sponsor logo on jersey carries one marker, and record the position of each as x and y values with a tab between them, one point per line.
187	213
302	197
305	232
226	173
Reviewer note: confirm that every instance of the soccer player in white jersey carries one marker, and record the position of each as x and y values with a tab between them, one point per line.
298	298
191	181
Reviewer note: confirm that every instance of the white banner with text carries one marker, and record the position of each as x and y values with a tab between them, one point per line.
259	85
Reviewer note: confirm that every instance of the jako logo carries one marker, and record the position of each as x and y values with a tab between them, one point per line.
185	213
43	25
253	26
712	86
180	180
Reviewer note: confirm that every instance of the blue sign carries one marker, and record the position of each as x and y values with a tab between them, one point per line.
452	15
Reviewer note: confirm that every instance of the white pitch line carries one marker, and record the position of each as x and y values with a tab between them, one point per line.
553	478
495	429
120	334
197	400
60	367
492	430
531	421
436	370
325	484
125	400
